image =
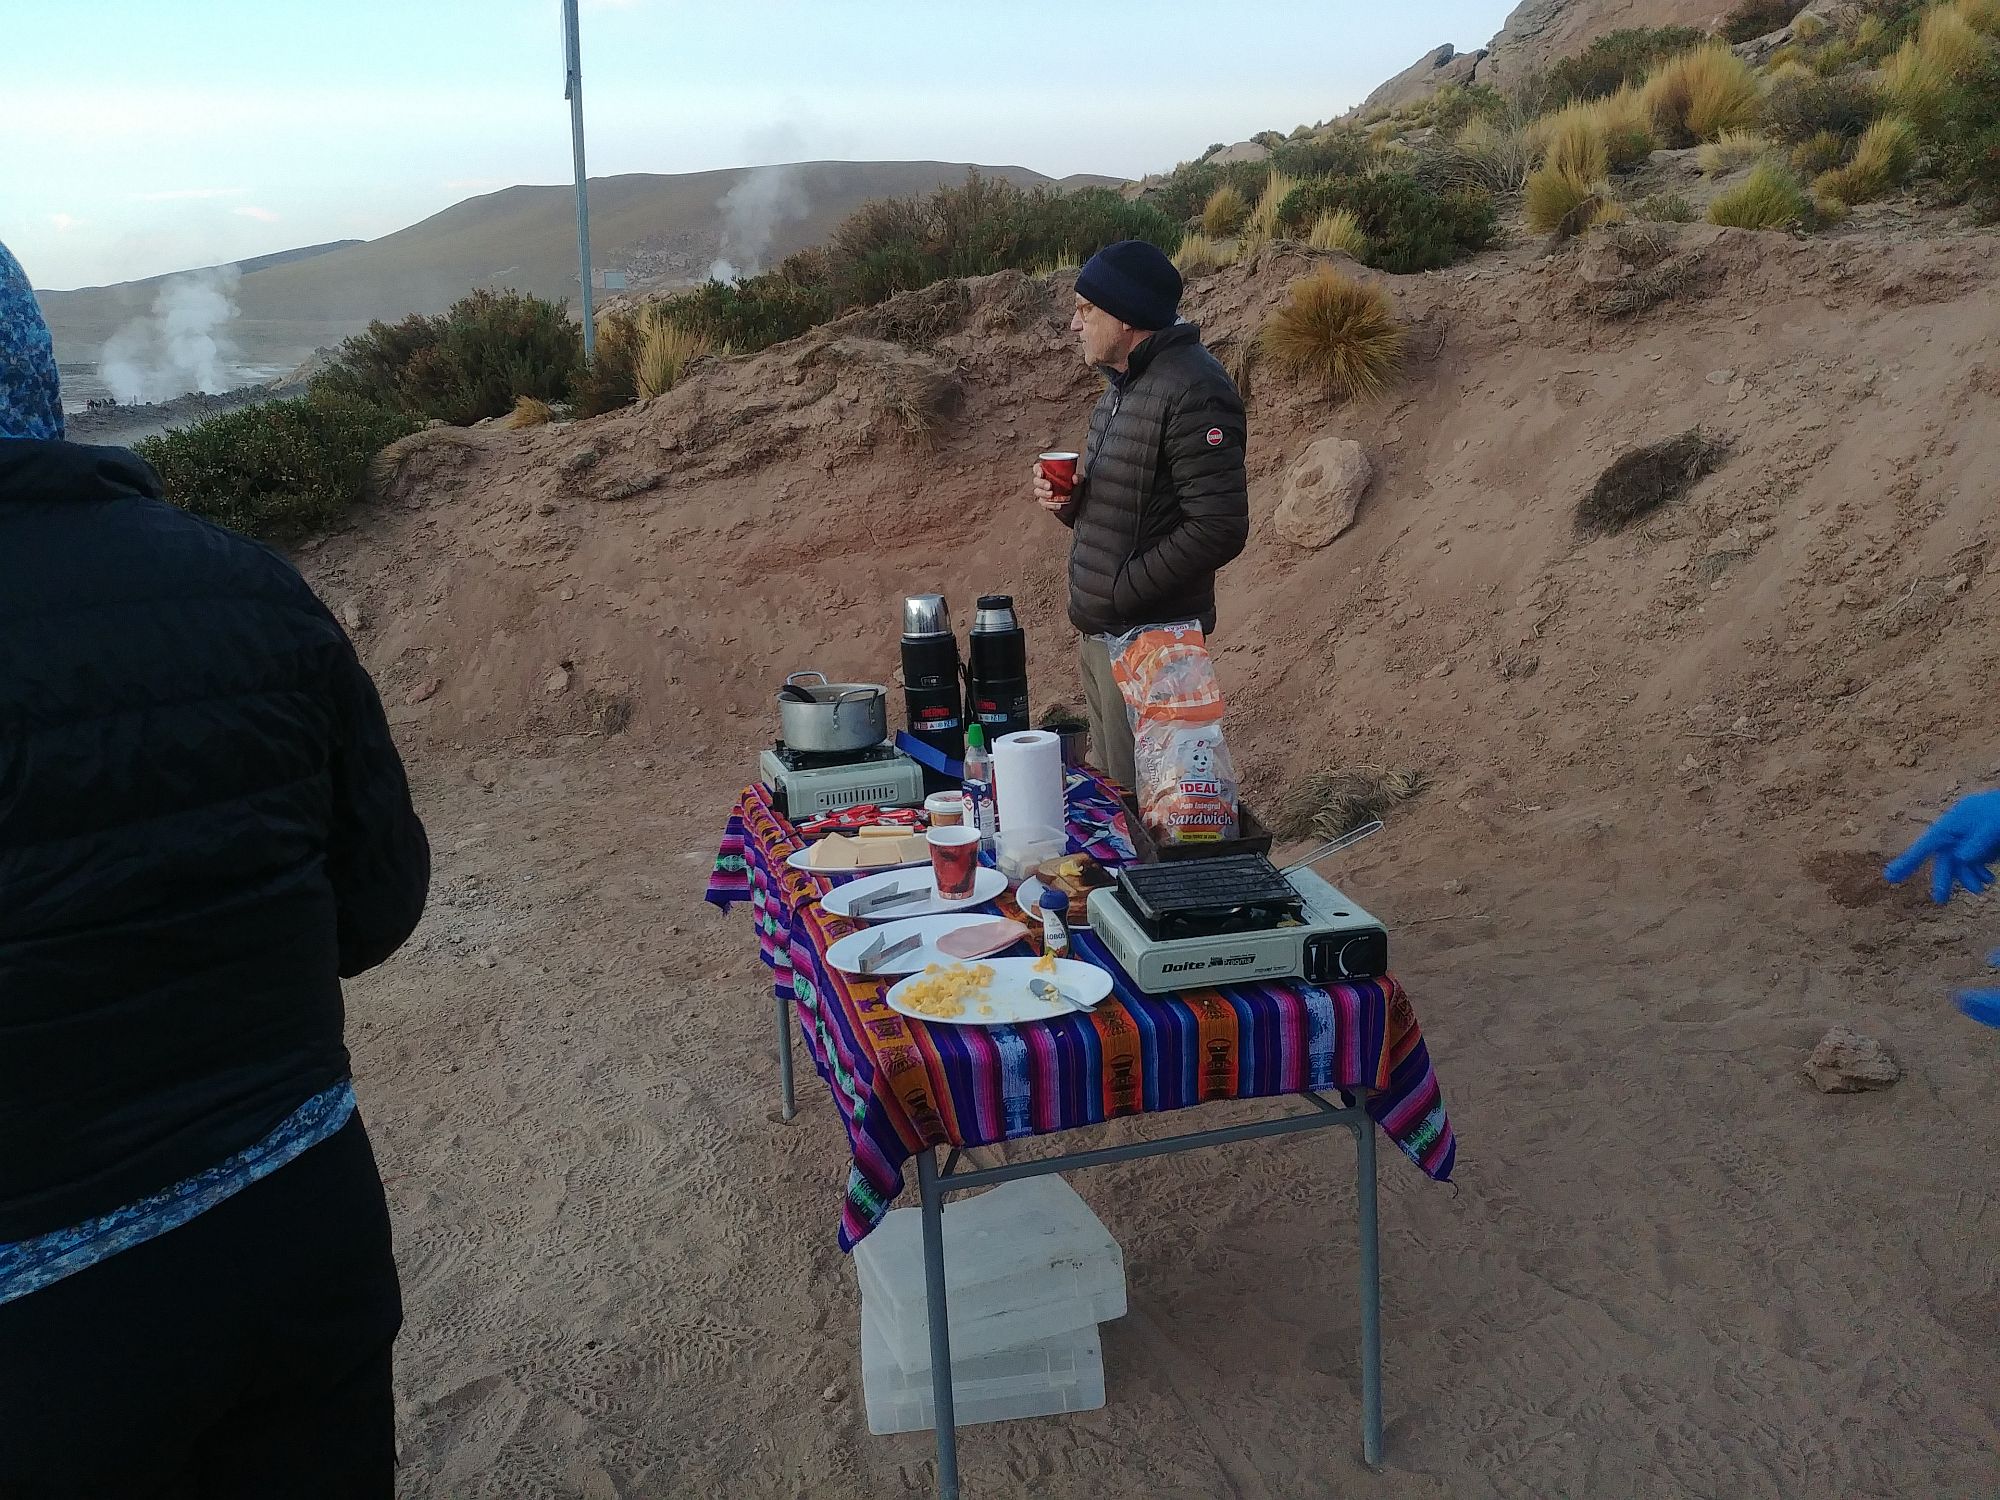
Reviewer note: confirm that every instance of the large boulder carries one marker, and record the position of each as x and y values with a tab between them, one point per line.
1323	491
1241	151
1538	32
1422	78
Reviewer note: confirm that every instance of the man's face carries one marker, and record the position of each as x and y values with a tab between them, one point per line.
1104	339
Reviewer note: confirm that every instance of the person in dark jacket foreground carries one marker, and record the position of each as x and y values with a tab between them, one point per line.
204	826
1160	501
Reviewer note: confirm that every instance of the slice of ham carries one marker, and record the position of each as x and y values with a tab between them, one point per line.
983	941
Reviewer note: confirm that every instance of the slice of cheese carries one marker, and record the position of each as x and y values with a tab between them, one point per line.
884	831
834	853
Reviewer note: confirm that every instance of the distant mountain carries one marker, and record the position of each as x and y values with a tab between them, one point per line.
662	229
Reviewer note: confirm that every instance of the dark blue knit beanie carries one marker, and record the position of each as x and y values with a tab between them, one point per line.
30	395
1134	282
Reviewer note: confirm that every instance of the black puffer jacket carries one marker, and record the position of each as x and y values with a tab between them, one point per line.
1162	501
203	825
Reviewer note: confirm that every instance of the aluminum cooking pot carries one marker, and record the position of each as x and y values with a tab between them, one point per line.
840	715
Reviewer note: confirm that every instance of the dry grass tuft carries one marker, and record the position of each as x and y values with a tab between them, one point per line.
1820	152
1561	203
1490	155
1199	255
529	411
1696	96
1647	287
1730	150
1262	225
1224	212
1980	15
1331	804
1339	230
1338	332
665	351
1883	159
1769	198
1573	144
1641	481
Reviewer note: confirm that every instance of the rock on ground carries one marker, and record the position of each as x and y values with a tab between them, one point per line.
1845	1062
1323	492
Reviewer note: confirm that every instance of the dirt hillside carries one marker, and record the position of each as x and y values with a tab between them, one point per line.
1664	766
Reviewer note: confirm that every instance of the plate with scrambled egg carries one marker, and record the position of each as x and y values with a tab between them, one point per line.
996	993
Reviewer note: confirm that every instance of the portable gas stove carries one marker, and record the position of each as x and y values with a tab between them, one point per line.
1193	923
809	784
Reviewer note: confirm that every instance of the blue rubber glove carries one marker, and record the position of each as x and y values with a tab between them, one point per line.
1963	843
1983	1005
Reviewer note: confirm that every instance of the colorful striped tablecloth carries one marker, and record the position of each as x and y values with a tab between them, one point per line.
904	1085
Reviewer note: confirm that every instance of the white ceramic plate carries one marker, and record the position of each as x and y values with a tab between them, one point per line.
1030	897
986	885
797	860
1008	1000
845	954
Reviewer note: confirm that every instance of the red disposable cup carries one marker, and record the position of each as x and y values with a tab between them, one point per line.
954	860
1059	469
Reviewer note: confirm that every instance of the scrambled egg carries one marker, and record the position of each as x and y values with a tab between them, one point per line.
1046	964
944	993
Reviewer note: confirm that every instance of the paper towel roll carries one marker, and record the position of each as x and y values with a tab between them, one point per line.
1028	782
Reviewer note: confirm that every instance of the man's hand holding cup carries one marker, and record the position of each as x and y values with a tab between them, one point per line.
1055	480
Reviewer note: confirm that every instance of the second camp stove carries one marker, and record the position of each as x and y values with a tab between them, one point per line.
1194	923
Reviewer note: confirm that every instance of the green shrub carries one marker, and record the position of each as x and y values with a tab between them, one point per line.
1457	105
468	363
278	472
1340	152
1769	198
1604	67
1797	108
1491	155
974	229
1964	140
1667	208
1754	18
1408	227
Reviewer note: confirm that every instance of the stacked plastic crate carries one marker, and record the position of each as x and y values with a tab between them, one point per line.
1030	1272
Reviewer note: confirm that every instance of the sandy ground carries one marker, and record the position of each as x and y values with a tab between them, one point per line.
1668	1266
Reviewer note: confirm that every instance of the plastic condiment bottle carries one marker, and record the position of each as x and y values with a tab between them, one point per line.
979	812
1055	936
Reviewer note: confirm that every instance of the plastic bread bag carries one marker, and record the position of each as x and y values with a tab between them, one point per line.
1187	782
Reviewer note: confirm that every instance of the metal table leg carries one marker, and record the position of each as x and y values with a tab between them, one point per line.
785	1054
1371	1294
944	1416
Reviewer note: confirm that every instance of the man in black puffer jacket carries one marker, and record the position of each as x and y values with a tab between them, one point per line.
204	825
1160	501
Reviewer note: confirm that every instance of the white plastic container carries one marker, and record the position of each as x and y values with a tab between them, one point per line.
1059	1374
1023	1263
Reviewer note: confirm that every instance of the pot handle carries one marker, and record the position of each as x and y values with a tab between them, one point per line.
792	680
859	694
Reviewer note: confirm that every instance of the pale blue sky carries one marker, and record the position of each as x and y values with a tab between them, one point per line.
151	135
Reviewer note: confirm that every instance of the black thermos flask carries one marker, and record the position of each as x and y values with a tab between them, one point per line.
998	671
931	696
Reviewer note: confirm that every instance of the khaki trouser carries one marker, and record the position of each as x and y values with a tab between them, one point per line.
1110	725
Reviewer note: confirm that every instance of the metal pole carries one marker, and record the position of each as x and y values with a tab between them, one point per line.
785	1056
1371	1295
943	1415
573	91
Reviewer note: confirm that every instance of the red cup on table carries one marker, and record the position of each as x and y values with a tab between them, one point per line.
1059	469
954	860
